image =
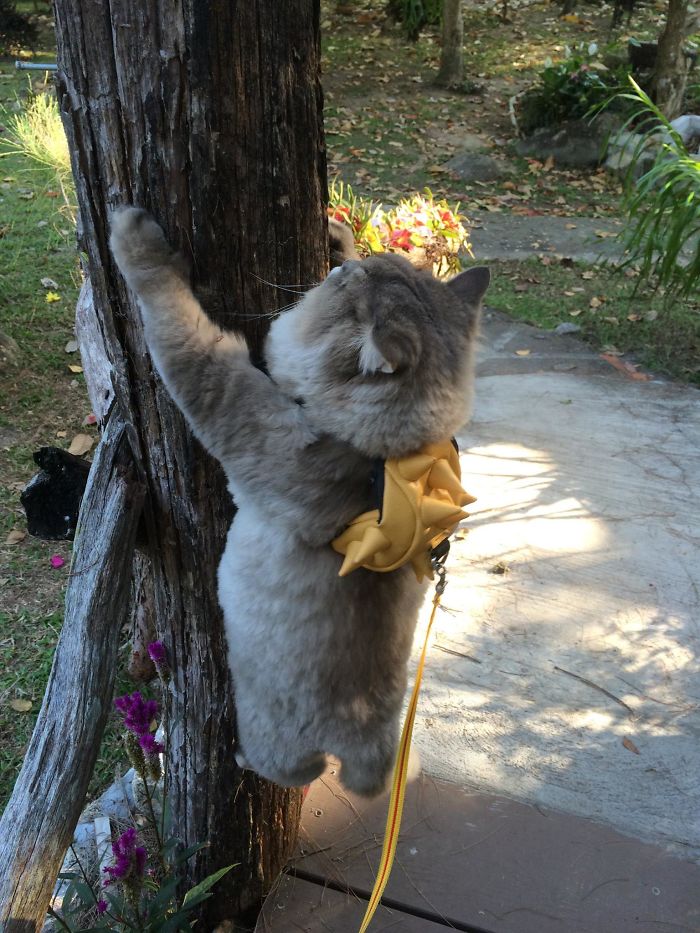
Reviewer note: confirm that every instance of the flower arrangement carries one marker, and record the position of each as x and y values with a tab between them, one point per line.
428	232
138	889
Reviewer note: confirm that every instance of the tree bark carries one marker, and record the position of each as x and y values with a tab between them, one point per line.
671	72
451	73
38	822
209	115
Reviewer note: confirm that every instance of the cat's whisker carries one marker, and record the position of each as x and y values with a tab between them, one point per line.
284	288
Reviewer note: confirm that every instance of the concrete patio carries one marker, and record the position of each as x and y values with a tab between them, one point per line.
558	724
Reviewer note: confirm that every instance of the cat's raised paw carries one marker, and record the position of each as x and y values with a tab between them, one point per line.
138	243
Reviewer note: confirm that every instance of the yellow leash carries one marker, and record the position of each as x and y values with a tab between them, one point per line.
398	787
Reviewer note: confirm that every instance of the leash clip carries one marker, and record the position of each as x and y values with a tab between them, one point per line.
437	559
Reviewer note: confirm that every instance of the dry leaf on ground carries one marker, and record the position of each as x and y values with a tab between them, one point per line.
21	706
80	444
15	536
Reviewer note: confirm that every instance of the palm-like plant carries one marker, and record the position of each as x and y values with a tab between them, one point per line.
662	237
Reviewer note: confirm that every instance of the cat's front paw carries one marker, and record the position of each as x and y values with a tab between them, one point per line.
138	244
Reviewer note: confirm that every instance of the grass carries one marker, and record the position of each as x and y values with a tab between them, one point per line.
615	313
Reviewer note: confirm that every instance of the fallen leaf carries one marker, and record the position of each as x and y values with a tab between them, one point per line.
630	746
624	367
522	352
595	302
604	234
634	317
548	164
651	315
576	312
612	320
588	274
21	706
51	297
80	444
61	433
49	283
500	568
15	536
74	368
71	346
570	226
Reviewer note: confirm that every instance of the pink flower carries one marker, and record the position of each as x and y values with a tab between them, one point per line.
401	239
57	561
101	906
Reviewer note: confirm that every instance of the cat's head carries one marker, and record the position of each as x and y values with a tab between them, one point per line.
381	353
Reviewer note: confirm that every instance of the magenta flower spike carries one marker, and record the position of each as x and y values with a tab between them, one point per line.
156	652
129	860
138	713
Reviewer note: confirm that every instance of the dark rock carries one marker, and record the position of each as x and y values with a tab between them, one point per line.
475	166
577	143
52	498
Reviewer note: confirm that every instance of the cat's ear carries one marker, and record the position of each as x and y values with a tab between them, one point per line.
372	360
470	286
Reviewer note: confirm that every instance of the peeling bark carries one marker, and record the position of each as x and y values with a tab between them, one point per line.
38	822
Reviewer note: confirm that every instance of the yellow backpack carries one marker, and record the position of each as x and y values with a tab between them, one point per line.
421	504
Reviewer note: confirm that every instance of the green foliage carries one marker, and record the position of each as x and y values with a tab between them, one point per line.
415	15
663	206
570	89
16	29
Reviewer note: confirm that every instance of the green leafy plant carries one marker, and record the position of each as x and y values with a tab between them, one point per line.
428	232
570	89
662	237
415	15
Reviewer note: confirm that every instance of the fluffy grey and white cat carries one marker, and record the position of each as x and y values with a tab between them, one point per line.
374	362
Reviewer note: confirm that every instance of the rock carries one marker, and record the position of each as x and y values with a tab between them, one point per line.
688	128
458	138
475	166
566	327
577	143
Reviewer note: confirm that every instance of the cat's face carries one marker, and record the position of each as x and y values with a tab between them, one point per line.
381	353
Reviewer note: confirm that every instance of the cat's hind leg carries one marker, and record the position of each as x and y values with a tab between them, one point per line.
295	774
366	765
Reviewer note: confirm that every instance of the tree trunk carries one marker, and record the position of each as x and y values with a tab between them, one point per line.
209	115
451	71
671	72
38	822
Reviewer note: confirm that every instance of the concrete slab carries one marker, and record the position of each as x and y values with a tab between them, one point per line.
502	235
565	665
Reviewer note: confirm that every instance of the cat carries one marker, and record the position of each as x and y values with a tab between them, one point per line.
374	362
